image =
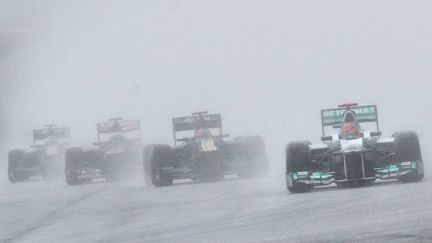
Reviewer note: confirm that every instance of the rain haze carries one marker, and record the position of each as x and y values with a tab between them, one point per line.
268	67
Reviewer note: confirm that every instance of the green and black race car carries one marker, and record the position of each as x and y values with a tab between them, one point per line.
353	156
45	157
203	156
115	158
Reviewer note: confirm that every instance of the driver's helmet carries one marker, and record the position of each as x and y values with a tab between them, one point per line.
202	133
350	127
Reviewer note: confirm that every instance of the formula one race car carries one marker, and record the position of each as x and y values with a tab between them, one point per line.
203	156
114	159
353	157
44	158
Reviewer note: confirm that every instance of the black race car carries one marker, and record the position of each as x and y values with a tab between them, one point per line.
114	159
353	156
203	156
45	157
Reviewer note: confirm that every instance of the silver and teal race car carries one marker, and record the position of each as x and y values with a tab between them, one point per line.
352	156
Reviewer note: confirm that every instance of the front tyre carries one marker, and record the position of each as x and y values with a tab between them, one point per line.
155	159
298	159
73	160
407	149
16	158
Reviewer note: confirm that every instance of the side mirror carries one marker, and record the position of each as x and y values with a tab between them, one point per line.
375	134
326	138
182	139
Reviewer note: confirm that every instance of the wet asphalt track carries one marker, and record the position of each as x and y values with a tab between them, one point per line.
259	210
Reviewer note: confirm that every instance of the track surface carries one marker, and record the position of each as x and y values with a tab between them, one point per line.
258	210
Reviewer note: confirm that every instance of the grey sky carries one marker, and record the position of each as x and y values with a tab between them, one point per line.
267	66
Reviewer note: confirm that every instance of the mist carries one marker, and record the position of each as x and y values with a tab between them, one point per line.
268	68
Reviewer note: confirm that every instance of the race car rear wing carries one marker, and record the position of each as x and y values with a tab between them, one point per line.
50	131
333	117
198	120
118	125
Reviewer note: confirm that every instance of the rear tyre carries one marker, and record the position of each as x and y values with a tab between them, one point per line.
407	148
73	161
155	158
298	158
16	158
255	152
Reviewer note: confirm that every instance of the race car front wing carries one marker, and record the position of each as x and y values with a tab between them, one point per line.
321	178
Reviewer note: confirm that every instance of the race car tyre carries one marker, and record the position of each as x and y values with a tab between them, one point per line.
15	159
298	158
407	148
73	160
155	158
255	152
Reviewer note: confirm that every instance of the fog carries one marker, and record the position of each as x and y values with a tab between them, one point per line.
267	67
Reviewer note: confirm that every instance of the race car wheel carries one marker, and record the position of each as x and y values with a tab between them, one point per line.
73	160
298	158
15	159
255	152
407	148
155	159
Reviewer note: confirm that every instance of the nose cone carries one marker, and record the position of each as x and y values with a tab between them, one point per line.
352	145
